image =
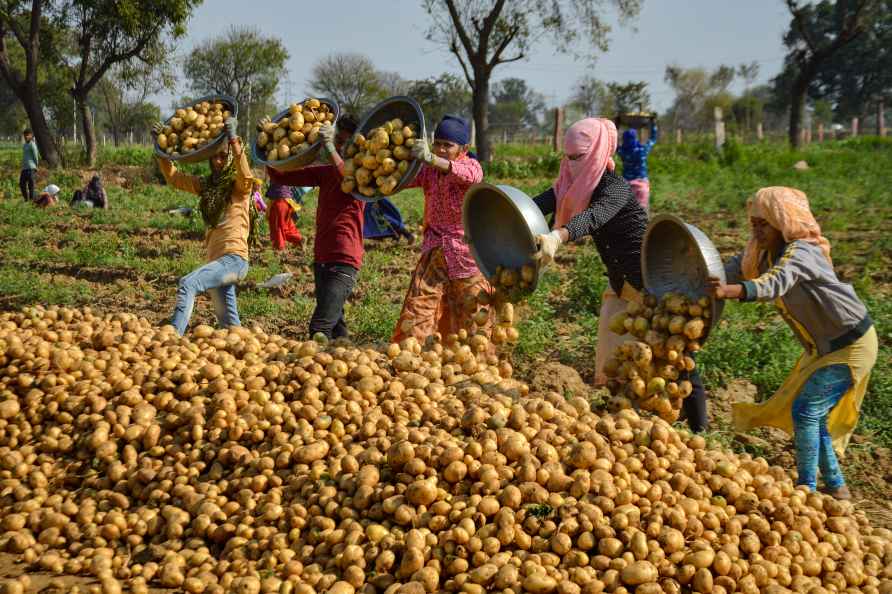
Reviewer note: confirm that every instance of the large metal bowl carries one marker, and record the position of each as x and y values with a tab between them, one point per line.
211	148
678	257
299	160
406	109
501	224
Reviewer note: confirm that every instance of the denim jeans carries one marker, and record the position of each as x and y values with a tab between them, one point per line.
334	284
218	278
26	184
814	447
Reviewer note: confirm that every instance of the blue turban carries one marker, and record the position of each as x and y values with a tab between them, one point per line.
630	139
454	129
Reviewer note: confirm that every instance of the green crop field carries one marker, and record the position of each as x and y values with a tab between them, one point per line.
130	257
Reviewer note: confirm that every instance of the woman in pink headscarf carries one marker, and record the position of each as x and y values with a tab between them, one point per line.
588	198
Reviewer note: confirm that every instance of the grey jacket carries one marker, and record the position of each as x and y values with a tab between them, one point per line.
824	313
30	155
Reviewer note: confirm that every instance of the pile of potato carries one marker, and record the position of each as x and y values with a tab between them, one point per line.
375	164
238	461
652	370
295	132
191	128
515	282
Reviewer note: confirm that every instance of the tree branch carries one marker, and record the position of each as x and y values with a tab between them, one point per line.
453	47
7	18
459	28
489	24
497	55
801	27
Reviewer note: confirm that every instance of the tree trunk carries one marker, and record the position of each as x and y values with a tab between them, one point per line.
86	117
49	153
797	106
481	114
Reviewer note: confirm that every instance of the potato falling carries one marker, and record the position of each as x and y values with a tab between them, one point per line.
238	461
515	283
651	370
295	132
376	163
192	128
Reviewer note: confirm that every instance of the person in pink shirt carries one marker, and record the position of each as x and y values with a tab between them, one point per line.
446	272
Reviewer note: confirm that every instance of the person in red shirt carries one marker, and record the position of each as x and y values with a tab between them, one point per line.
280	215
446	272
337	250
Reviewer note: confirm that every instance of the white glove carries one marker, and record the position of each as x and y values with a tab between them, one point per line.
157	128
327	133
262	122
421	151
548	247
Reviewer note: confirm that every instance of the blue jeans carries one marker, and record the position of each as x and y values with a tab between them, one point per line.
814	447
218	278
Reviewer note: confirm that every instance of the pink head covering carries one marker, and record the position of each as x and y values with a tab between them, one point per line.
595	140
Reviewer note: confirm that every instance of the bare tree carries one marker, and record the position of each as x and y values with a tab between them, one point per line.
812	45
350	79
483	34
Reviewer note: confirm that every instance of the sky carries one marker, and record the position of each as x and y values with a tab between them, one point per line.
690	33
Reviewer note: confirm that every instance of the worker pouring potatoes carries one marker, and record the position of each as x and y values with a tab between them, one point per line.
446	272
589	198
787	260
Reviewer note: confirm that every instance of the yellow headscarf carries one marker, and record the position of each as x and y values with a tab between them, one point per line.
787	210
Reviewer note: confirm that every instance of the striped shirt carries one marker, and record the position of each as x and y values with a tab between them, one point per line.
615	221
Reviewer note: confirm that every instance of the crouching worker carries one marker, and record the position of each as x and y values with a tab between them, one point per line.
787	261
446	272
225	205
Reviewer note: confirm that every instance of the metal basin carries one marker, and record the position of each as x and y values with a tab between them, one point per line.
306	157
406	109
501	224
211	148
678	257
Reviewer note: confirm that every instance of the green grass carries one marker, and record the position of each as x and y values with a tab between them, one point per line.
130	256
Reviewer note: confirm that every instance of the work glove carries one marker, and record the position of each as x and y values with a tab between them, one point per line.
262	122
157	128
327	133
421	151
548	247
231	126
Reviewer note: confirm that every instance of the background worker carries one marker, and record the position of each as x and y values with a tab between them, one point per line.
634	156
30	159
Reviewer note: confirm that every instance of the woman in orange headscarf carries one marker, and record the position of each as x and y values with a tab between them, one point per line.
588	198
787	260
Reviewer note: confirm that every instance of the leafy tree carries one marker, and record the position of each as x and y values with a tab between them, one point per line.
241	63
515	106
109	32
22	23
484	34
817	33
350	79
628	97
593	97
122	97
438	96
696	92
